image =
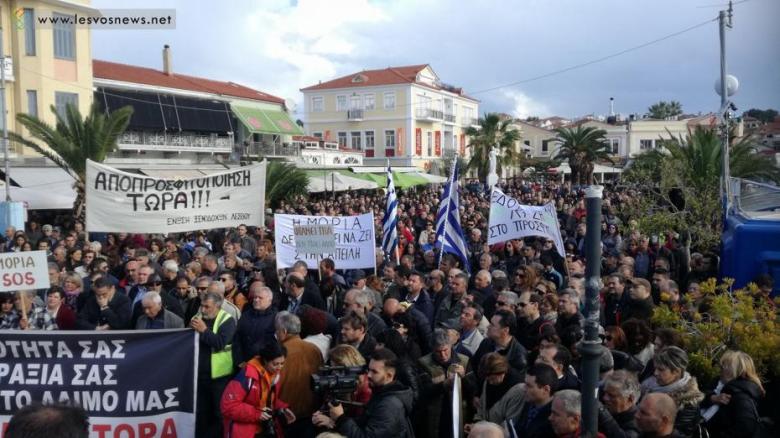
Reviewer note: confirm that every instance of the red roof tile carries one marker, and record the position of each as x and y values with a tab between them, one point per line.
386	76
149	76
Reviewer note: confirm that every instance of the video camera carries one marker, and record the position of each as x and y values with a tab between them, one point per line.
335	383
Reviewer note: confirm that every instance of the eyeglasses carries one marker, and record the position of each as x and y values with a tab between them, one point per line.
202	288
501	303
522	304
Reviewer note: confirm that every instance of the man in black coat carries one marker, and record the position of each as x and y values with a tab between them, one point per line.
388	412
297	295
501	341
568	311
617	412
105	309
640	306
541	383
256	325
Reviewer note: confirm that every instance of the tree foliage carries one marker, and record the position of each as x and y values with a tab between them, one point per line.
284	181
493	132
75	139
678	187
581	147
729	320
664	110
766	116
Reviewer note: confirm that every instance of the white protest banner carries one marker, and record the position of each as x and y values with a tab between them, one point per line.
511	220
315	239
118	201
353	236
24	271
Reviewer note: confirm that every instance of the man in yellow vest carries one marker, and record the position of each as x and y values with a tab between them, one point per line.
215	363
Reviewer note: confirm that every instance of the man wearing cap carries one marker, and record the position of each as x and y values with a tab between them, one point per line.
640	305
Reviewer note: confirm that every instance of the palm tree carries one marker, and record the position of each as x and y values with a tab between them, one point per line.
75	139
701	154
664	110
582	147
492	132
283	181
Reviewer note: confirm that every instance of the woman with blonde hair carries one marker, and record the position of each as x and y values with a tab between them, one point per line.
348	356
737	401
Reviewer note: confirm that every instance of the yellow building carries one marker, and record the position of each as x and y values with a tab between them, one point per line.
46	64
402	114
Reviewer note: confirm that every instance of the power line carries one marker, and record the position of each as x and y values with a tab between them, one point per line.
486	90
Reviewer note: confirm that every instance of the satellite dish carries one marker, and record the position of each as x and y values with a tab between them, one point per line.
290	105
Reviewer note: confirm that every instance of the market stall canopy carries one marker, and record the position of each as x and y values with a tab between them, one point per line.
334	181
266	121
402	179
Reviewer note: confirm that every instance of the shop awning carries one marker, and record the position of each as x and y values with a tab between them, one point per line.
266	121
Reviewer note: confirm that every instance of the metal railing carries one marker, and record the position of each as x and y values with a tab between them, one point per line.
355	114
469	121
261	149
449	118
428	113
175	142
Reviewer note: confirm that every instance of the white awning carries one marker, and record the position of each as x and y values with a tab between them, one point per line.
42	188
336	182
177	173
381	169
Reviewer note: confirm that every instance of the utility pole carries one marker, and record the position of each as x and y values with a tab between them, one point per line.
724	21
591	348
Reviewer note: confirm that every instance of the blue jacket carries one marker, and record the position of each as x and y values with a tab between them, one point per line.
254	326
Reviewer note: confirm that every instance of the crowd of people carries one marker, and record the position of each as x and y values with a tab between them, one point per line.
508	330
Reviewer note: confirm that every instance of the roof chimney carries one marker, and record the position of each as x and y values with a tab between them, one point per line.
611	106
167	61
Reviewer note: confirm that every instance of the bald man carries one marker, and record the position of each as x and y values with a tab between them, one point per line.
655	416
484	429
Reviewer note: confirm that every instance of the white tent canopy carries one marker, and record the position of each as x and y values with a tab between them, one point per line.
40	198
337	182
433	179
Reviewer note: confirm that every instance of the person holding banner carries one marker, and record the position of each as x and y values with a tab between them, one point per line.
251	406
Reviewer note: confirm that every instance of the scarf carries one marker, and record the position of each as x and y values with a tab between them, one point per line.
651	385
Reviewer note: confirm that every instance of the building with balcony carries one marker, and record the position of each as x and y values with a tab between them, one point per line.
181	120
406	115
45	64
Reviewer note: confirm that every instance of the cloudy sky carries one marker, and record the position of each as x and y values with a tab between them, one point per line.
484	46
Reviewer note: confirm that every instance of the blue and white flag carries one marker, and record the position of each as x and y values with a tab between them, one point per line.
390	221
448	230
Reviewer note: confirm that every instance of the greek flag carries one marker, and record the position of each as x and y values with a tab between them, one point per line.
390	221
448	231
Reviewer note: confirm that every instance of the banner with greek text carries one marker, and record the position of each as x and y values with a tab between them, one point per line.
118	201
131	383
354	236
27	270
511	220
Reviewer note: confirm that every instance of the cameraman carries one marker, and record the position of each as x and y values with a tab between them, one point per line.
387	413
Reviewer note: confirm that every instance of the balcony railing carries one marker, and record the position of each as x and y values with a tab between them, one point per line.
179	142
430	114
262	149
355	114
449	118
469	121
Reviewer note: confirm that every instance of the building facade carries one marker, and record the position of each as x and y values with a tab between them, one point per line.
45	64
404	115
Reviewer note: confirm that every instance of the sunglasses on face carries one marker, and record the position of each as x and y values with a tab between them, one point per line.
501	303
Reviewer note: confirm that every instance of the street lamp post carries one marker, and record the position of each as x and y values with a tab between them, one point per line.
590	348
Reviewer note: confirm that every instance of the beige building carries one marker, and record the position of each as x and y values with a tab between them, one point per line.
45	64
406	115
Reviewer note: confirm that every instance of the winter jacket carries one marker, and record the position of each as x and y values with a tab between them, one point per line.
509	406
254	326
244	399
386	415
622	425
739	418
435	400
